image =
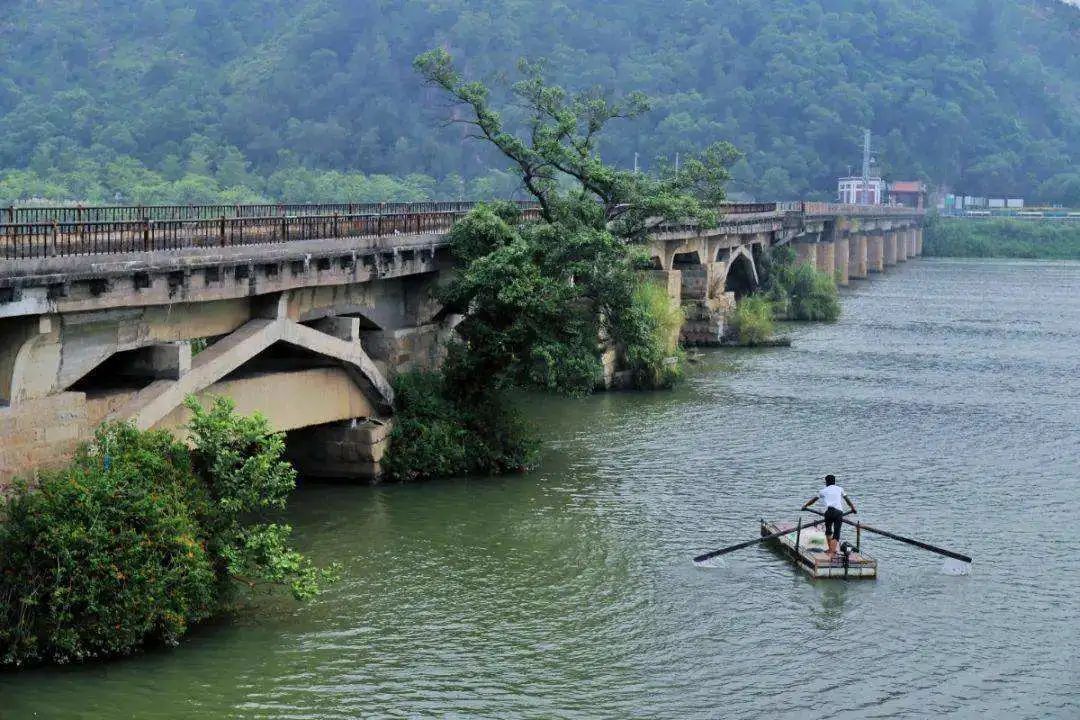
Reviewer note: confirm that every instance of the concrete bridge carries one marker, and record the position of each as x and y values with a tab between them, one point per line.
305	312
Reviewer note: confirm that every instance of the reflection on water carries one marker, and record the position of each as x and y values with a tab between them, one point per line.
946	401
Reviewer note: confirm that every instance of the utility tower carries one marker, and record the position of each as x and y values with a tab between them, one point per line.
864	197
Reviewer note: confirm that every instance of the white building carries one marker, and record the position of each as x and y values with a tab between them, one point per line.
850	190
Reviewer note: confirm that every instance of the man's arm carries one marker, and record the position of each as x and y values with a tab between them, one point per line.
810	502
850	504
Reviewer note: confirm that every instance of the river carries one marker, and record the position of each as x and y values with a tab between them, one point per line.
947	402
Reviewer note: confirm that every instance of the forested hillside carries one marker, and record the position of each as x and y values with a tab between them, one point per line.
189	100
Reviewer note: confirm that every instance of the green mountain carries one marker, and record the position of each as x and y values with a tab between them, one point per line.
309	99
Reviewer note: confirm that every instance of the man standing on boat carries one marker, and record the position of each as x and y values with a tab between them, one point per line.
832	495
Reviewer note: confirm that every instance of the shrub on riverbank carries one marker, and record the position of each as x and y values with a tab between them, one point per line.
439	432
752	322
1002	238
650	336
141	537
799	291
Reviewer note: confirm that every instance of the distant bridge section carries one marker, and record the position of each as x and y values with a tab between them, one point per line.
305	312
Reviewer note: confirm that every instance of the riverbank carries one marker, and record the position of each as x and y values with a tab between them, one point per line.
1002	238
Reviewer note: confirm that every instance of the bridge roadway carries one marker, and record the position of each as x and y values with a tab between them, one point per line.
305	311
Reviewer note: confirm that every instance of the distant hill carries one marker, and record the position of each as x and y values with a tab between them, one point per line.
188	99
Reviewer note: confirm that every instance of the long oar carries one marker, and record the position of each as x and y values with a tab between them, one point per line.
901	538
755	541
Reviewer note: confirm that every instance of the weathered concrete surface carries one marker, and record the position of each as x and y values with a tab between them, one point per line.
351	450
876	253
890	248
826	258
41	433
806	252
858	266
842	253
289	400
901	246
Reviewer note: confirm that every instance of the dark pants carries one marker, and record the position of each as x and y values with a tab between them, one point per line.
833	522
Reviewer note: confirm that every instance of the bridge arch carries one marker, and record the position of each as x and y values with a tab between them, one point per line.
740	273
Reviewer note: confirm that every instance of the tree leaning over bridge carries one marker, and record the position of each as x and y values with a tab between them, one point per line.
558	145
543	301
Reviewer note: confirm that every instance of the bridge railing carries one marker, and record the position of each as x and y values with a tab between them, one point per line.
132	213
60	239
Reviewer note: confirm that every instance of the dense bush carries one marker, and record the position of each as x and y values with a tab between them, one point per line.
651	338
1049	239
752	321
105	555
798	291
140	537
439	432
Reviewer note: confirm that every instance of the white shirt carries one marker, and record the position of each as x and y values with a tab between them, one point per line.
831	495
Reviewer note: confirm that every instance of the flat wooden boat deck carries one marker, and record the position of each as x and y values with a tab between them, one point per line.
813	560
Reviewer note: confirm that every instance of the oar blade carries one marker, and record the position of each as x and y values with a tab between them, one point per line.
952	566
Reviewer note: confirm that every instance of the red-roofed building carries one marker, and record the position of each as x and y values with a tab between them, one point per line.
907	192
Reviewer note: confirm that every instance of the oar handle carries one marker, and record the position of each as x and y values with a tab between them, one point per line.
901	538
748	543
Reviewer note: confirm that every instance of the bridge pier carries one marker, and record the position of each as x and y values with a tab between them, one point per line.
826	258
901	246
349	450
876	253
918	241
857	256
806	252
890	248
843	252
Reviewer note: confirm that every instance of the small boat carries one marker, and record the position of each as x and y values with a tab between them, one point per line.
806	547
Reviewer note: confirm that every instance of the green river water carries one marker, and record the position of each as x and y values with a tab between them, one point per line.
946	400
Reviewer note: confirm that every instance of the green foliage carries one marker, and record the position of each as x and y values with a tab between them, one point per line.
140	537
241	463
798	291
540	296
440	432
752	321
1049	239
285	100
100	560
650	334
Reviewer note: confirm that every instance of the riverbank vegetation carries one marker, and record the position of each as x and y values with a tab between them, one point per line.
1002	238
142	537
544	300
798	291
266	97
752	322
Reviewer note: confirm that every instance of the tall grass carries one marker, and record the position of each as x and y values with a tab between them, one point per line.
752	321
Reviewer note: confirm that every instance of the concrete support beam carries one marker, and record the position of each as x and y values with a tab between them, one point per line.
164	361
918	241
901	246
842	260
826	258
857	259
890	249
806	253
153	403
875	253
343	328
913	248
